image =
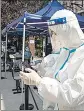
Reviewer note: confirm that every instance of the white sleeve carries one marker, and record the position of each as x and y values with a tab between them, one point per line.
71	91
46	64
48	89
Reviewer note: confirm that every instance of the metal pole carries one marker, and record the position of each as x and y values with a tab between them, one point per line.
34	99
25	106
26	87
5	53
26	96
43	47
46	41
82	3
23	48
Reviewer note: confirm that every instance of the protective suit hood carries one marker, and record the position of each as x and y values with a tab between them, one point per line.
67	35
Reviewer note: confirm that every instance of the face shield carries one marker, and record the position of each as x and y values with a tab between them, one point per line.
64	30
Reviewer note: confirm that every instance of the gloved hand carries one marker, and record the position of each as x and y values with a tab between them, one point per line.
30	78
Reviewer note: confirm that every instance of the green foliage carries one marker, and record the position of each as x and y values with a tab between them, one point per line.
39	46
46	1
13	9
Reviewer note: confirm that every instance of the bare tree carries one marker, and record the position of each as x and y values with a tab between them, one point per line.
12	9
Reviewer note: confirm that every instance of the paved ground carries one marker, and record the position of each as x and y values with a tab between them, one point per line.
10	101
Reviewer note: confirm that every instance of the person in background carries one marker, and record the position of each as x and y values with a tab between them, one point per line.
27	54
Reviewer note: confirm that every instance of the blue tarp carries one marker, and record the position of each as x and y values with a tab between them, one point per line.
54	6
50	9
17	25
81	20
41	16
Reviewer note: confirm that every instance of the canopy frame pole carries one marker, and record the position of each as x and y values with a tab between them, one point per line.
26	106
44	40
6	52
23	48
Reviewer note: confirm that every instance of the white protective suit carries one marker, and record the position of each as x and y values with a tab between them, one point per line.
62	85
66	66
